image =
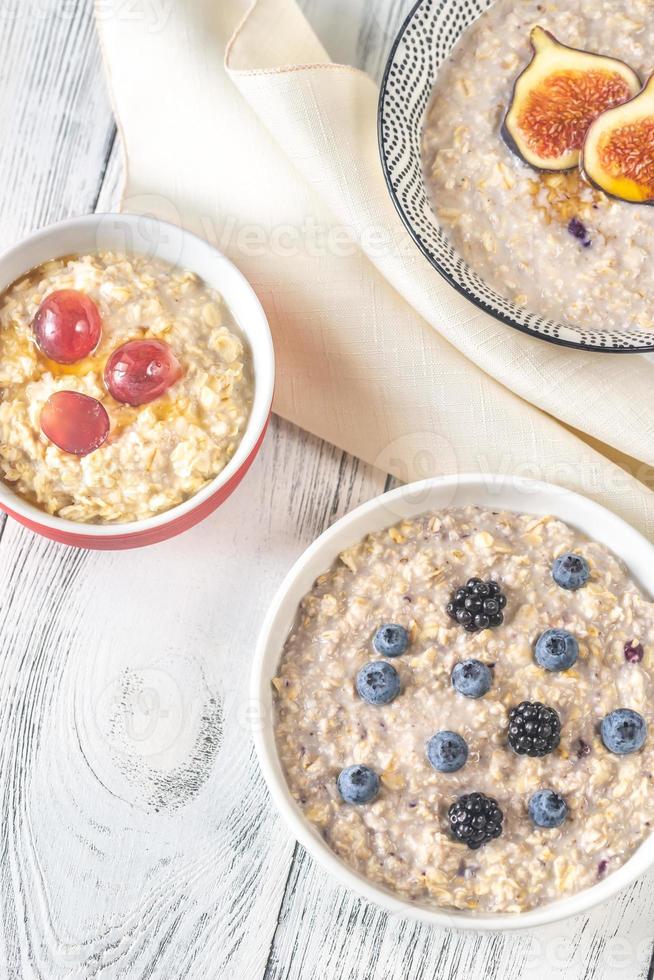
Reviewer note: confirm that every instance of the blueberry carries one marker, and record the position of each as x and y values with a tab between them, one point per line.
390	640
579	231
471	678
378	682
623	730
447	751
547	808
570	571
577	228
358	784
556	650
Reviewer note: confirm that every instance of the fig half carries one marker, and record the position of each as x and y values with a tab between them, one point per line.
618	154
557	97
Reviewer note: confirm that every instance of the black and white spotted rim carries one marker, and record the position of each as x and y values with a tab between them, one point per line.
424	41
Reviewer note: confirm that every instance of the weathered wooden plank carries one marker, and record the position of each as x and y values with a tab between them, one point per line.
55	117
325	931
138	832
111	186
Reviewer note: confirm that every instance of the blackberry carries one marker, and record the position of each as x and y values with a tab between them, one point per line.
475	819
477	605
534	728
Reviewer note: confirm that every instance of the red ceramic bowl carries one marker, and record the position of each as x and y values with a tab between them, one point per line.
159	240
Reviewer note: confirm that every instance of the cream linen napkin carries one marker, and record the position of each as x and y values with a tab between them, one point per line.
275	160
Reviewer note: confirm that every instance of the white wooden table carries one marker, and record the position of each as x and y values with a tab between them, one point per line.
137	836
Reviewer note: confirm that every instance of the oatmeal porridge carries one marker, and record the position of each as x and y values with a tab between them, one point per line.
461	710
124	386
549	242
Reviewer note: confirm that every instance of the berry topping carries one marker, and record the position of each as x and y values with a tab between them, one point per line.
579	231
623	731
633	652
547	808
447	751
390	640
67	326
76	423
475	819
534	728
358	784
570	571
556	650
378	682
477	605
140	371
471	678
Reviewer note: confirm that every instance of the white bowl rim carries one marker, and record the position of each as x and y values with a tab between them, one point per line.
264	381
321	553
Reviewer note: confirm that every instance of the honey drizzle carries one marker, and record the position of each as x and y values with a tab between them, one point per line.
86	366
564	199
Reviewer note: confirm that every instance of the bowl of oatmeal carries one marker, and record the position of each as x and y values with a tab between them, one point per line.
455	684
545	251
136	380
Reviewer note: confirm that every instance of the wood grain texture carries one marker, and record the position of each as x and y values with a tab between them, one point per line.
137	838
55	118
614	941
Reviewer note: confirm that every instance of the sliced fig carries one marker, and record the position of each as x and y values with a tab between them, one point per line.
556	98
618	153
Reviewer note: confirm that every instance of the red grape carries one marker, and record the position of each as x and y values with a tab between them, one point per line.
76	423
140	371
67	326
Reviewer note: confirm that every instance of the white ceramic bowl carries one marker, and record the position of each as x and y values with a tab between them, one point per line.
497	492
157	239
